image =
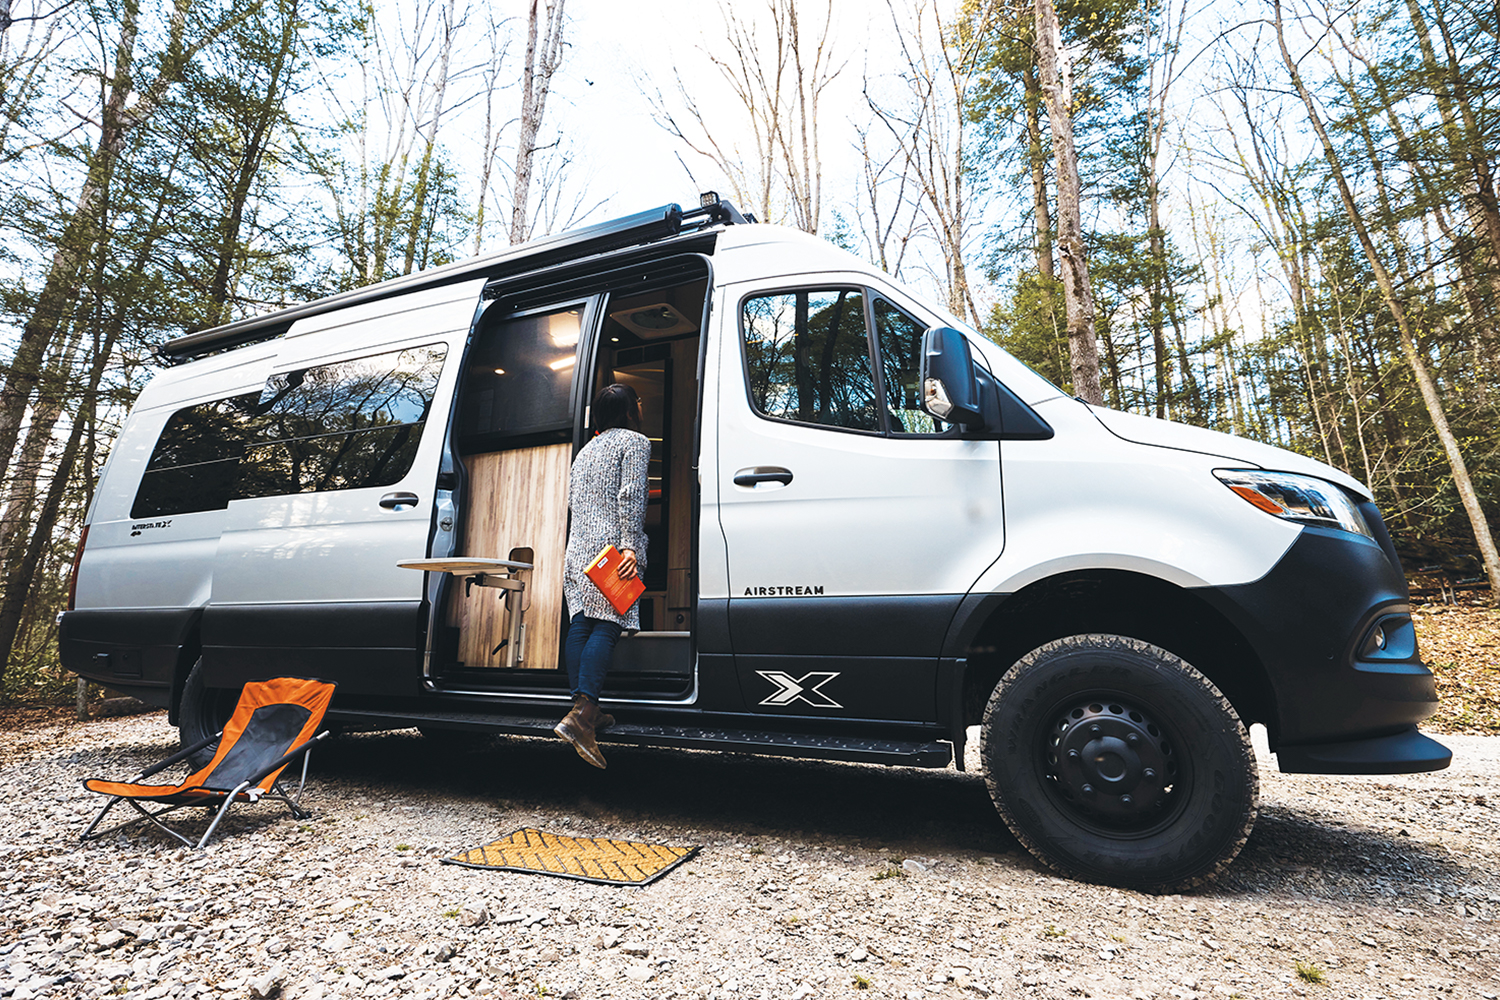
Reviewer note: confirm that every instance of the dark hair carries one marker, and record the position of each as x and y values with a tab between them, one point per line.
615	406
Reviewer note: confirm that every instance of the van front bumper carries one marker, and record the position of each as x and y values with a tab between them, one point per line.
1331	624
1398	753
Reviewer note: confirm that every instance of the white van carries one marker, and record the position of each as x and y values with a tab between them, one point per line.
870	529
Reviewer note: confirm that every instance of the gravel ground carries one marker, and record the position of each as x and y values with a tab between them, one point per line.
815	880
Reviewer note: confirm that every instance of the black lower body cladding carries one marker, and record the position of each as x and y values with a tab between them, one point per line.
1331	623
366	647
137	651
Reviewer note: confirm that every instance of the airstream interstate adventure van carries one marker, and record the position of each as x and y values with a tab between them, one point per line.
870	528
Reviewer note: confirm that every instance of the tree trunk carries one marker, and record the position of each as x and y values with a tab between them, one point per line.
1156	316
52	305
1057	86
1041	204
536	79
424	169
1036	160
17	583
261	132
1462	482
26	470
79	236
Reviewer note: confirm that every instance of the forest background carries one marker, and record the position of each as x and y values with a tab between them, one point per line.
1288	209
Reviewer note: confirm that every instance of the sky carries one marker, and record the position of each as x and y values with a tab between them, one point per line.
623	47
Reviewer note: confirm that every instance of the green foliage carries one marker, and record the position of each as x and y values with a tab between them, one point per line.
1309	973
1033	328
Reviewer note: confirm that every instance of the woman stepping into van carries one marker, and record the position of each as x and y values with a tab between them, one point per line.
607	493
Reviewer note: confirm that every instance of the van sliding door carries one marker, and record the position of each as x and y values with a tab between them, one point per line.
336	485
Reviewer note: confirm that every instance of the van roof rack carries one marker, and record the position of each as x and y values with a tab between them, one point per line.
616	234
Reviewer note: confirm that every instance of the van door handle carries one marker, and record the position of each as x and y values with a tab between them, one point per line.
399	501
763	474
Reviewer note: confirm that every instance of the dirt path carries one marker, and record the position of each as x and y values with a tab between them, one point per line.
815	880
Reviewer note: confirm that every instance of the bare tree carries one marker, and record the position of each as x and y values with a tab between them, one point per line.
490	77
928	123
887	219
1057	86
777	74
23	65
380	188
536	81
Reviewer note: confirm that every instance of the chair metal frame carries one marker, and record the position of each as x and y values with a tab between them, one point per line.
245	791
242	792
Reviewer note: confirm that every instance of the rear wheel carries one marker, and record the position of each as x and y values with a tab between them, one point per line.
203	712
1114	761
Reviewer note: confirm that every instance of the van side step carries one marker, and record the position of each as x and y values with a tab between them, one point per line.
857	748
864	749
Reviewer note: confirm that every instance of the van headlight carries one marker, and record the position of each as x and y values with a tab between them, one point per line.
1302	499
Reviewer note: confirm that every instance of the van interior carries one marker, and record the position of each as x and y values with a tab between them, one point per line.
518	429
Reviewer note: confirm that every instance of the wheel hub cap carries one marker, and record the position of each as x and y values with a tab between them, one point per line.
1112	761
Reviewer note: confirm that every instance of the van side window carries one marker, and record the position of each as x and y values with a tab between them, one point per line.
196	459
341	426
519	380
809	360
900	339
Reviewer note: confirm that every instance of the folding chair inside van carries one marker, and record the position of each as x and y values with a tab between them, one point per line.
273	725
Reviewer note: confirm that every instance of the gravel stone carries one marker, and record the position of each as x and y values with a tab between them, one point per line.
1387	885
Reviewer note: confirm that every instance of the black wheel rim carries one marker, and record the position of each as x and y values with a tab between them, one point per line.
1112	764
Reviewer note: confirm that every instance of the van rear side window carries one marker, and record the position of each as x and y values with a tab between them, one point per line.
340	426
197	458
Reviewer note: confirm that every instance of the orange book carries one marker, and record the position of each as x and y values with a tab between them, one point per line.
605	572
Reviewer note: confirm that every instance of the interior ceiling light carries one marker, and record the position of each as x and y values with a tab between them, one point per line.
562	363
654	321
563	328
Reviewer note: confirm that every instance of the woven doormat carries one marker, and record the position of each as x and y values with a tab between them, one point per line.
588	859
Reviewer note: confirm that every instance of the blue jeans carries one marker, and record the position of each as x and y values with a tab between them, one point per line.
590	648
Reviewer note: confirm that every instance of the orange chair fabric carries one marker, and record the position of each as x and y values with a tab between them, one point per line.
271	718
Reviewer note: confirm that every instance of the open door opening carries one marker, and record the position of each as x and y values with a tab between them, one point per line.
523	410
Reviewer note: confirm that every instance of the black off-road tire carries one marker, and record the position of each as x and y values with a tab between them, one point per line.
1114	761
202	712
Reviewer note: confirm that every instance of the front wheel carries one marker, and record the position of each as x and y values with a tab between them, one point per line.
1114	761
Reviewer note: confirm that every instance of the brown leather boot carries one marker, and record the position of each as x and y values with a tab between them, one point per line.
604	721
578	726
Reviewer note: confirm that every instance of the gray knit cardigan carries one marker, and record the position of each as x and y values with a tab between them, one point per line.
607	493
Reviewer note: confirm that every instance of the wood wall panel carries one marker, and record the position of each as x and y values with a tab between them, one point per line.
516	498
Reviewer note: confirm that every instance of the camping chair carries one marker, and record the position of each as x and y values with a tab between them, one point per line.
273	724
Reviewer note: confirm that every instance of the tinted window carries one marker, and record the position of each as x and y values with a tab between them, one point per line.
341	426
808	354
520	379
330	427
900	339
196	459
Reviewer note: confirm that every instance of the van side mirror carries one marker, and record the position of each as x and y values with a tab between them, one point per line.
956	390
949	390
